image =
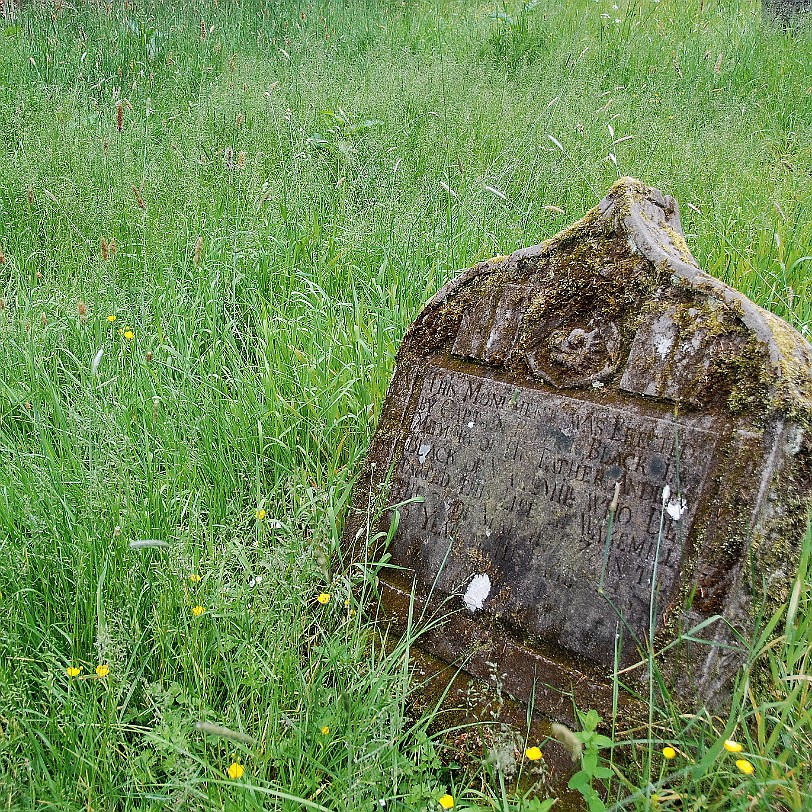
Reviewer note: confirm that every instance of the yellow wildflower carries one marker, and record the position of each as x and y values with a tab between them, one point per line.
73	671
325	730
102	670
198	610
669	752
129	335
111	319
732	747
533	753
323	598
447	801
745	766
194	578
260	514
236	770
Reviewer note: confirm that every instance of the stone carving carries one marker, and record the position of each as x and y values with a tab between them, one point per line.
599	377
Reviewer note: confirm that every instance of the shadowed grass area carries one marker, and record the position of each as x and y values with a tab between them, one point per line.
289	184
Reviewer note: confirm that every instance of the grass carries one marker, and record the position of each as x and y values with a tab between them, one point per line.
290	183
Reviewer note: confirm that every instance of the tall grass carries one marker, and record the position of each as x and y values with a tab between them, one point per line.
288	184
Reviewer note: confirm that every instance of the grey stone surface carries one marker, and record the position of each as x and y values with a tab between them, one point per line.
599	377
787	12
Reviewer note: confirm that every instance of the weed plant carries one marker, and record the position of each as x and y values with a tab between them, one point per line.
216	222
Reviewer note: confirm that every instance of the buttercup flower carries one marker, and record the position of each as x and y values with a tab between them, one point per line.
111	319
325	730
194	578
129	335
323	598
260	514
745	766
533	753
733	747
669	752
73	671
102	670
198	610
447	801
236	770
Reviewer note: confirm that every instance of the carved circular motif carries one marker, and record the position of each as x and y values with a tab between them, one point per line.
577	355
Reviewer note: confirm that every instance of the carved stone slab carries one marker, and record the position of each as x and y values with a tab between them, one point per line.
599	448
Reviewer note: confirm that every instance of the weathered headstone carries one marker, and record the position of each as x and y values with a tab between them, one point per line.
787	12
600	448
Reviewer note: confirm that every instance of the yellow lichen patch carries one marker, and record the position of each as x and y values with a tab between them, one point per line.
794	361
679	245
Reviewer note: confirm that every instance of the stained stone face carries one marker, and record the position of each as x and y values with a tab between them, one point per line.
596	447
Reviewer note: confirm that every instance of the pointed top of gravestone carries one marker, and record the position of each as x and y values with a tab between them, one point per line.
648	222
601	373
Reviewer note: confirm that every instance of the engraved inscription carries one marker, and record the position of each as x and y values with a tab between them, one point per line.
517	482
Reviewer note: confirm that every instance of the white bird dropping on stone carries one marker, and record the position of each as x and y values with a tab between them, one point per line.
478	590
677	507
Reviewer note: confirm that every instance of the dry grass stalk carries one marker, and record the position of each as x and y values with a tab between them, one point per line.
119	115
104	249
138	199
718	66
198	250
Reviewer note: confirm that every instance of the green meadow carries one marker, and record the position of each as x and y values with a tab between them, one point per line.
217	220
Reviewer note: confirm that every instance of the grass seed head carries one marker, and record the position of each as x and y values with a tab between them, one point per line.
198	250
120	115
718	66
105	249
565	737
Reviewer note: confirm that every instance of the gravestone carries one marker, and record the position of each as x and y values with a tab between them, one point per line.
594	448
788	13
